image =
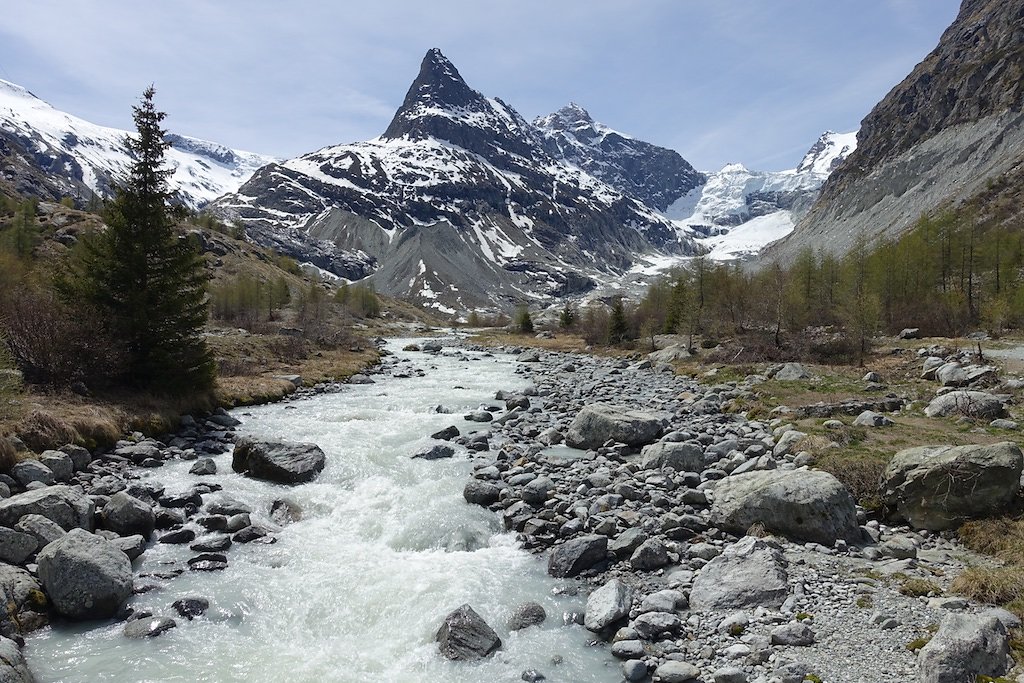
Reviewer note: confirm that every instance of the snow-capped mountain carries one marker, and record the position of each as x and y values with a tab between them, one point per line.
48	152
458	204
740	211
655	175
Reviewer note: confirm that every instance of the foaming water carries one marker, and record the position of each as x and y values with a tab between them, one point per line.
355	590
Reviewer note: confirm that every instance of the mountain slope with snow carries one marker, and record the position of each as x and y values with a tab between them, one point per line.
740	211
458	204
655	175
78	157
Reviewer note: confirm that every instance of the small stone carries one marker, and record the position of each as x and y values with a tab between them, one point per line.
149	627
191	607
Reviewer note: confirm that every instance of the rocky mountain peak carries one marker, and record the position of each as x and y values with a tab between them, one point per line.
440	105
572	118
830	150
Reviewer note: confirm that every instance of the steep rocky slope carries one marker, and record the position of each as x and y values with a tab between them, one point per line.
50	154
458	204
951	128
655	175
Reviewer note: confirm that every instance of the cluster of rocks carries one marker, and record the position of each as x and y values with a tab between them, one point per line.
72	522
715	552
964	387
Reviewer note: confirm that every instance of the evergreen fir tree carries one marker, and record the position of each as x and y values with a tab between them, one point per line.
147	282
524	323
618	327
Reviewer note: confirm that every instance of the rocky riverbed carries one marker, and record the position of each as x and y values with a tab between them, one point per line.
680	543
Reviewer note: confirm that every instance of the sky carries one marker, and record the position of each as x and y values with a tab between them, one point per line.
720	81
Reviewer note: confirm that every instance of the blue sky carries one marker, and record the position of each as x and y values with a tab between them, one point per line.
750	81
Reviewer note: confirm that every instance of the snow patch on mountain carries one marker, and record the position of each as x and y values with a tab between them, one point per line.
97	156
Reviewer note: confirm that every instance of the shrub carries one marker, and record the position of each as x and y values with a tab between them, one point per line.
360	300
917	588
523	321
53	344
858	472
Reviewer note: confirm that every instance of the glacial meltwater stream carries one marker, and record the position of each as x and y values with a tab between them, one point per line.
355	590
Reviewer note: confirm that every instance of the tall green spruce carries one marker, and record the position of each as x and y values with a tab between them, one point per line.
148	283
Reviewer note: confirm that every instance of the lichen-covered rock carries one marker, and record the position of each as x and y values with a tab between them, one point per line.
25	603
967	403
938	487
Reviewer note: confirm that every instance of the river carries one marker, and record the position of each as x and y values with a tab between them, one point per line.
355	590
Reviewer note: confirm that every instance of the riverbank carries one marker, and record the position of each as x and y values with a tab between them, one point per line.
636	513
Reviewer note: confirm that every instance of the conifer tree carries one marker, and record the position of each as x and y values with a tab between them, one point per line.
618	328
147	283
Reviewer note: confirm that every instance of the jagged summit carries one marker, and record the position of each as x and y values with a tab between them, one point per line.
828	152
440	105
655	175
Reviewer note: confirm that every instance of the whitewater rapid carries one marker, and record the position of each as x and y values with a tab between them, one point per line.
355	590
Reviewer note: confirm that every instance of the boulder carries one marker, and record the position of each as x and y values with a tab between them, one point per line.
40	528
649	555
676	672
869	418
465	636
85	576
536	491
13	667
203	467
149	627
64	505
951	375
126	515
436	452
791	372
577	555
526	615
803	505
607	605
596	424
133	546
749	573
478	492
682	457
446	434
59	463
938	487
16	546
28	471
25	607
191	607
650	625
965	647
795	634
670	354
978	404
285	463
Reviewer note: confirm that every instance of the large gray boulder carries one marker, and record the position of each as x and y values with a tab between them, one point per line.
29	471
682	457
598	423
803	505
285	463
607	605
465	636
64	505
938	487
577	555
85	576
13	667
16	546
126	515
965	646
791	372
25	607
978	404
749	573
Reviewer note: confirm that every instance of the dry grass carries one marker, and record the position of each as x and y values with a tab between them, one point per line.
1001	537
41	430
994	585
8	456
917	588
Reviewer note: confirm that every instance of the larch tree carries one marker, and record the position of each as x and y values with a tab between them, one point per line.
146	281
